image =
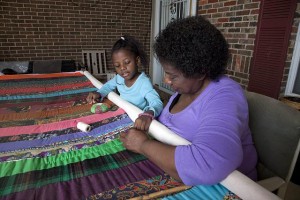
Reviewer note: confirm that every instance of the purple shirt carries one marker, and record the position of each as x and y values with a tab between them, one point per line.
216	123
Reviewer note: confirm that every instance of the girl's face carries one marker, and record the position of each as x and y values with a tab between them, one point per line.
181	84
126	64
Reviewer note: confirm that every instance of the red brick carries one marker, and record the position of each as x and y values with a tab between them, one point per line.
212	10
230	3
223	20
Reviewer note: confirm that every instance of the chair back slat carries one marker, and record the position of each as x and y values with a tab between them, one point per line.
275	129
95	61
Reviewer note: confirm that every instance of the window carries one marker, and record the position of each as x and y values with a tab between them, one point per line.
293	83
164	12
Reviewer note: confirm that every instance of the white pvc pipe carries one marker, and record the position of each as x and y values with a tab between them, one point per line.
246	188
156	129
236	182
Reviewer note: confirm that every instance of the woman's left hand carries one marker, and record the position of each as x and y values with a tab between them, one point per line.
133	139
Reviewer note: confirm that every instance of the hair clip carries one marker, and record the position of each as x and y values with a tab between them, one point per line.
123	38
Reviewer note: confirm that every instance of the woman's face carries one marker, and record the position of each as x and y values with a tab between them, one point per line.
125	63
179	83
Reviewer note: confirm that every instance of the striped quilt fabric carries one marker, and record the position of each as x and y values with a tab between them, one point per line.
43	155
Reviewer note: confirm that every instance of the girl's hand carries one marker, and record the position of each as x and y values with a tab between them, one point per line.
93	97
134	139
143	121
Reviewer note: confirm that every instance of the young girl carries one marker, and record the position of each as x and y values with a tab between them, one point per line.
133	86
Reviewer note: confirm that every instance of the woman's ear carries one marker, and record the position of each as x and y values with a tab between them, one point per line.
138	61
202	77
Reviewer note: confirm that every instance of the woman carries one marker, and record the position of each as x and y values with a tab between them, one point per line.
208	108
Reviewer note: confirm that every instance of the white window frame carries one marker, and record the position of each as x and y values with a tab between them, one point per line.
155	68
294	68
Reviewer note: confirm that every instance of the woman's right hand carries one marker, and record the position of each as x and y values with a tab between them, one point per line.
133	139
93	97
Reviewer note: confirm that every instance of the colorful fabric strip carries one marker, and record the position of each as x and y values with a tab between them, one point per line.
51	94
158	184
44	113
31	76
55	133
39	178
13	106
43	89
203	192
27	144
43	82
58	149
26	165
80	188
10	131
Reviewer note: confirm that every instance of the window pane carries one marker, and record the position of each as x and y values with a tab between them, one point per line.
296	88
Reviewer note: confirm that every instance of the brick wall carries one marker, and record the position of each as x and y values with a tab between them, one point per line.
61	29
44	30
237	20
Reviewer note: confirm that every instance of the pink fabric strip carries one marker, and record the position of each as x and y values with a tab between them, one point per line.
11	131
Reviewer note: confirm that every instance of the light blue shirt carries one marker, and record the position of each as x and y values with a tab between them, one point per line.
141	93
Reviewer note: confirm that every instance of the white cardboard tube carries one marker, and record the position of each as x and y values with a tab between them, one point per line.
246	188
236	182
156	129
84	127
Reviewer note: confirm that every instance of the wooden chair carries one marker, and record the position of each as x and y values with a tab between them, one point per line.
275	128
95	62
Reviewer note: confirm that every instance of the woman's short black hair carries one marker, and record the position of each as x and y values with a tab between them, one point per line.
194	46
133	45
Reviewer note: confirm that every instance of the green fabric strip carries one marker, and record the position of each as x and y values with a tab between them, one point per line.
27	165
69	172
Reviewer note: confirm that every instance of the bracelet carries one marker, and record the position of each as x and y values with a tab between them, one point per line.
146	114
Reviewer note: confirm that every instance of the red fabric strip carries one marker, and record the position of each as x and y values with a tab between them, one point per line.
29	76
10	131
